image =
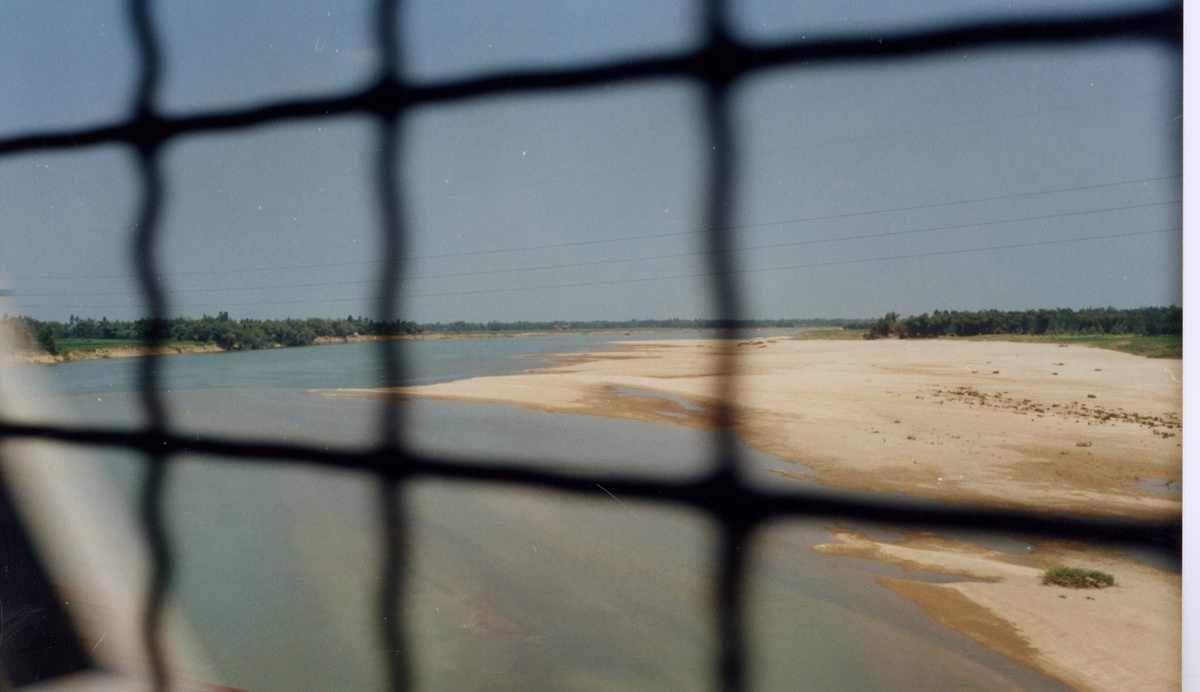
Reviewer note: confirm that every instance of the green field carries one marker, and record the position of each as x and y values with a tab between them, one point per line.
1161	346
831	334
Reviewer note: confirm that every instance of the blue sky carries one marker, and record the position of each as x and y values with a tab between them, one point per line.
965	181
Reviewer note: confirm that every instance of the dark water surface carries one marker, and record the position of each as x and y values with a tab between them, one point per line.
509	589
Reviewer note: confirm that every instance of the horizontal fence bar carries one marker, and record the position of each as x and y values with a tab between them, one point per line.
721	62
724	495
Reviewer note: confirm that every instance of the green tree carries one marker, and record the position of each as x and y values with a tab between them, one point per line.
46	338
884	327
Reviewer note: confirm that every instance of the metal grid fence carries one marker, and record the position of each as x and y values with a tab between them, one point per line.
716	66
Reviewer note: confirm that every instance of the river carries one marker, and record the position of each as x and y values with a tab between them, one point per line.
508	589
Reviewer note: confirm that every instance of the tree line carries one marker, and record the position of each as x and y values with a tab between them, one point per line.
250	334
222	330
1149	321
607	325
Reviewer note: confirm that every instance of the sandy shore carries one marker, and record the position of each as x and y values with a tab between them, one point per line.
1126	637
1031	426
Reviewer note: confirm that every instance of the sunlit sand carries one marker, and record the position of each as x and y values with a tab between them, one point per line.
1029	426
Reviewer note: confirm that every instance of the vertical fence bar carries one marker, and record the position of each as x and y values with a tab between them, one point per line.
391	426
145	247
728	593
394	528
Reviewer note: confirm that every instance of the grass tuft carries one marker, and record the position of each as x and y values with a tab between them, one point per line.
1077	578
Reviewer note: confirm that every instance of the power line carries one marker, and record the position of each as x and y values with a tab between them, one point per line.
687	164
810	265
697	275
581	243
626	260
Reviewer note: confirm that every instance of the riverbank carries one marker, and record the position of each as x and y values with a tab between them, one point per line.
43	358
1031	426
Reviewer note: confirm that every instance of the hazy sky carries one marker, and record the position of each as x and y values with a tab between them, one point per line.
943	182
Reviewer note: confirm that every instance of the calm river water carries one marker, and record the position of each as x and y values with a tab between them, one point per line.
509	589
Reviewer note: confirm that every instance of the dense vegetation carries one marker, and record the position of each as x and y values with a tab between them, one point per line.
221	330
1166	321
85	333
1144	327
609	325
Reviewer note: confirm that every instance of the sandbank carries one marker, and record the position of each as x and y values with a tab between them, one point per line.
1031	426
